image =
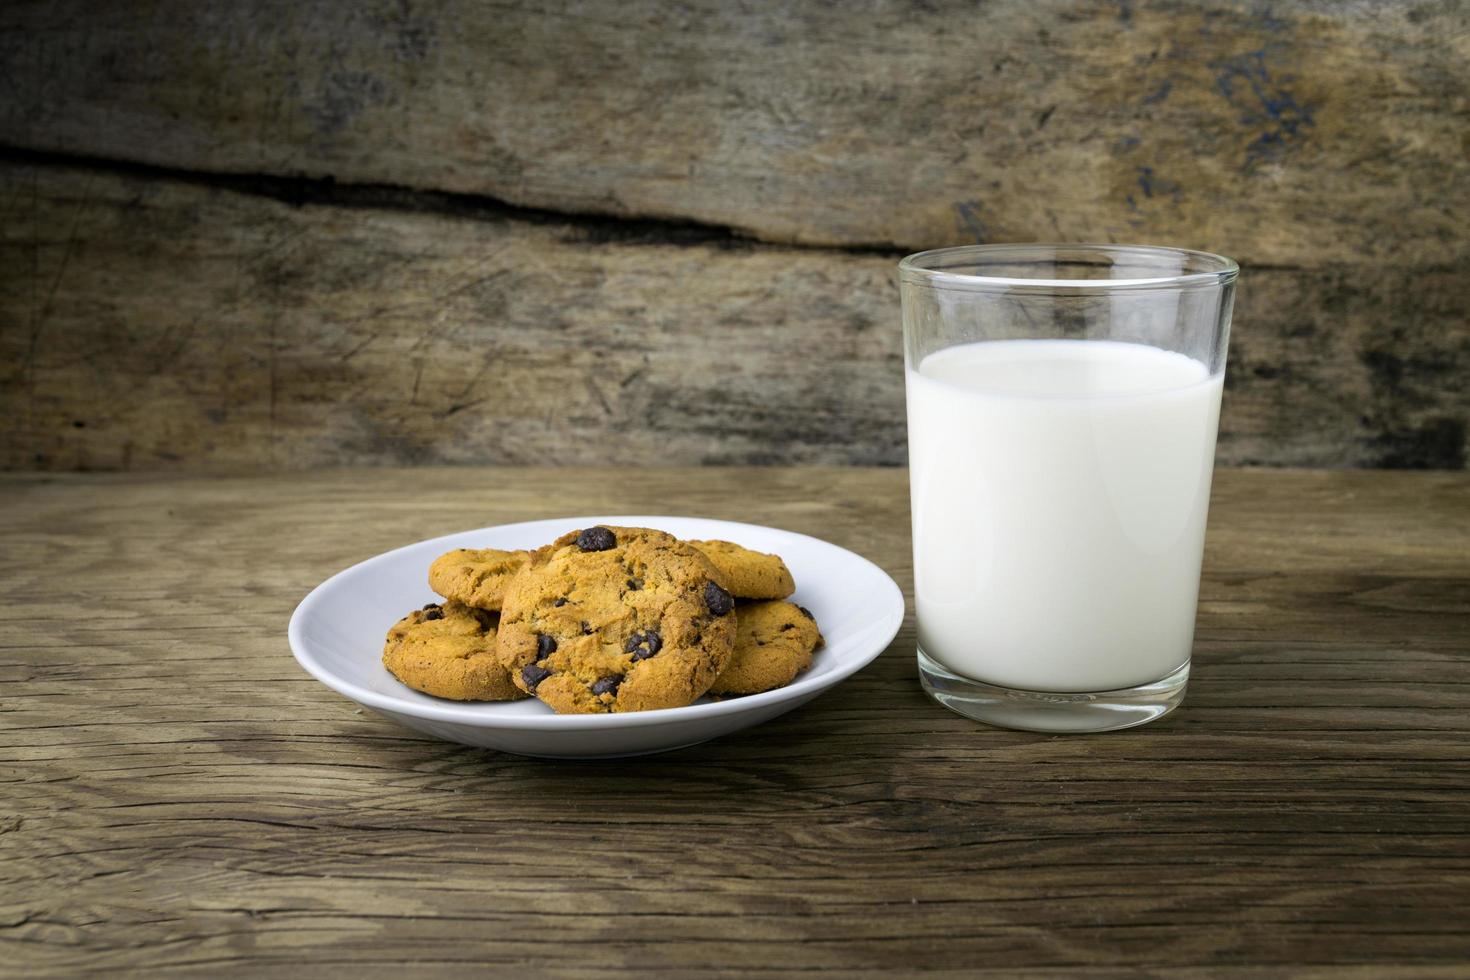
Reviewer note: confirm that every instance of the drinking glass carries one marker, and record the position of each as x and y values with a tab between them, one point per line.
1063	402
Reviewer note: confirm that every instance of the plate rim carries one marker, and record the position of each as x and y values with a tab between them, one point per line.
474	714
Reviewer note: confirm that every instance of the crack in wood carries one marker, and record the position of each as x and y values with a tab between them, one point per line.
299	190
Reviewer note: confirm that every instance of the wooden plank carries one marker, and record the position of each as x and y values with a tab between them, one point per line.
1293	133
159	324
180	797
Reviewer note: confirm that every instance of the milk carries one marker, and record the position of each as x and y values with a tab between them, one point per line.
1059	497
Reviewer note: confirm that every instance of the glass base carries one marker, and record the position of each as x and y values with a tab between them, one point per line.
1044	711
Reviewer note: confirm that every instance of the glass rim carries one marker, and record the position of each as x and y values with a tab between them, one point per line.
914	270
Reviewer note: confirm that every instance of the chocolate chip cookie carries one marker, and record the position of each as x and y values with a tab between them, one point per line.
748	574
774	642
475	576
616	619
448	651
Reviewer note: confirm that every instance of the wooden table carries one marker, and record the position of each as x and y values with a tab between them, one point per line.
180	798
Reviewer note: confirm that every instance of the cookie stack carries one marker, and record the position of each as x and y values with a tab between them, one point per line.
605	619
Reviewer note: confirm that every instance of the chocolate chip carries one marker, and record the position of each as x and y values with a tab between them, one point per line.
786	626
717	599
432	611
596	539
545	646
485	618
560	602
534	675
634	584
643	645
432	605
607	685
586	628
807	613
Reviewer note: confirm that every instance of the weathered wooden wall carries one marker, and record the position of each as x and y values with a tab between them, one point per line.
295	234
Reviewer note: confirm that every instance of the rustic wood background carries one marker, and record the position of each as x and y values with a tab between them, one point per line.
283	235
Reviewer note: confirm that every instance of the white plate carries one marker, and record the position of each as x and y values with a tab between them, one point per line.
337	635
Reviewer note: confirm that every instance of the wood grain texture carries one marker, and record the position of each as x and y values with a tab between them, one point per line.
162	324
1298	132
180	798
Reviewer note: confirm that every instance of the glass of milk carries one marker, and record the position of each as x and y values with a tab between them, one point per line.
1062	408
